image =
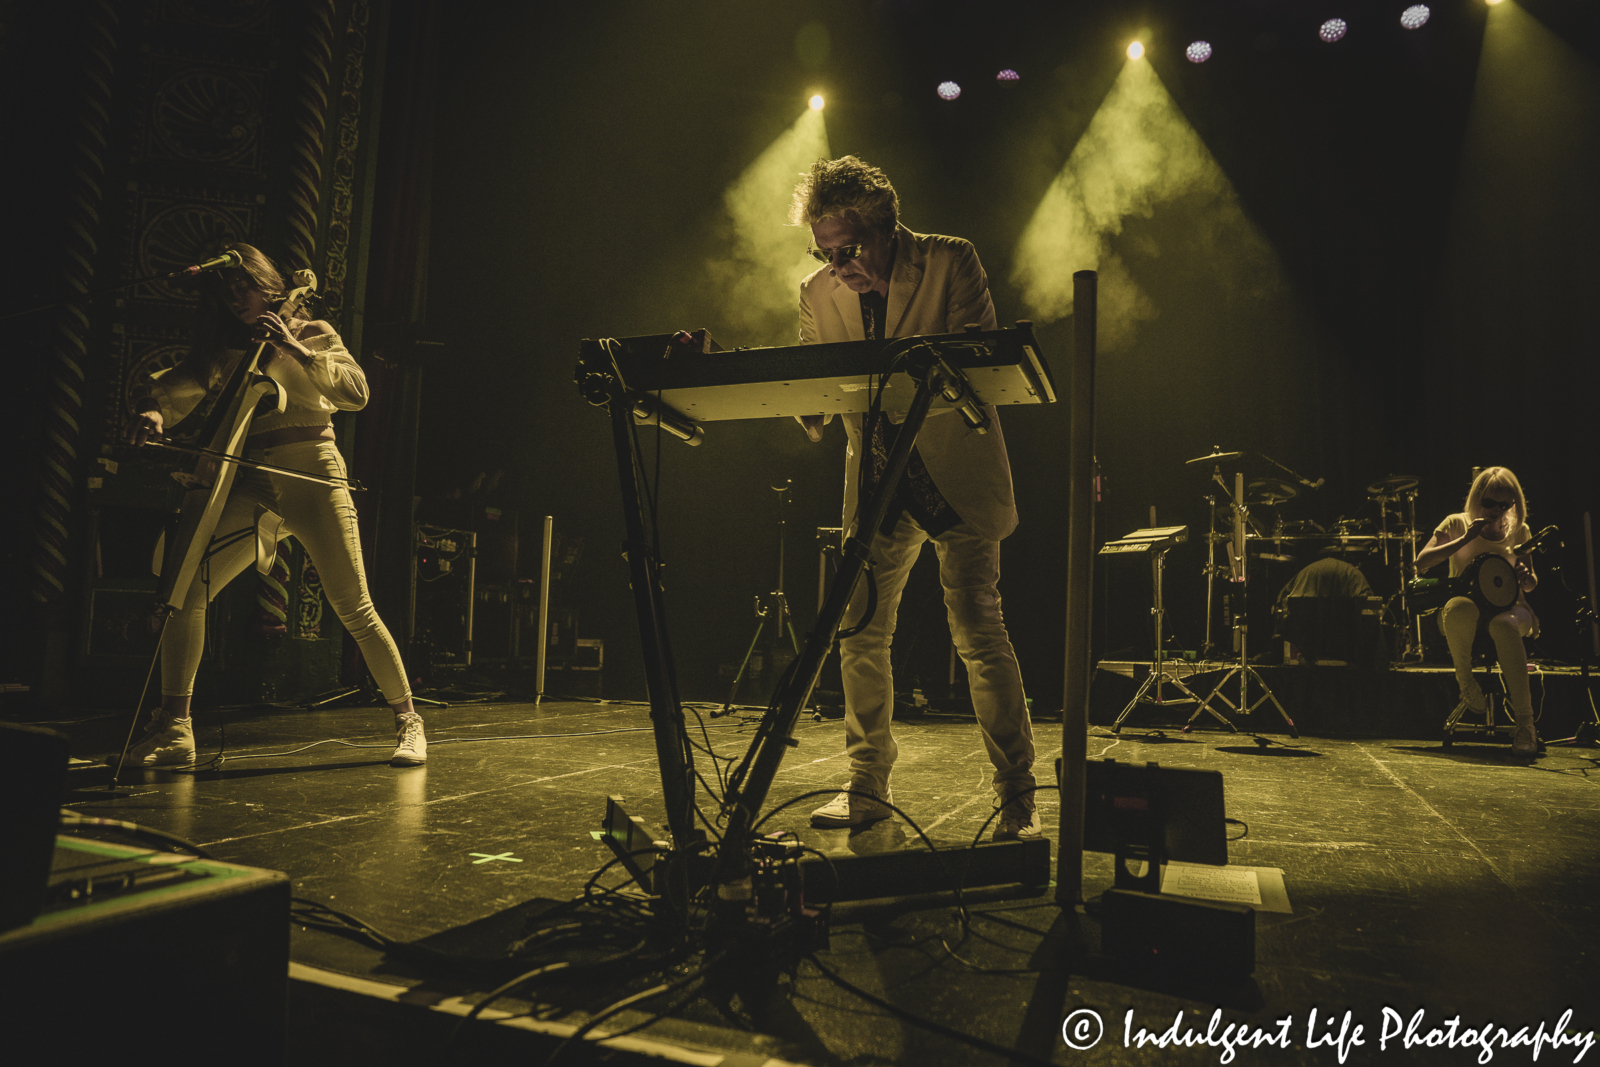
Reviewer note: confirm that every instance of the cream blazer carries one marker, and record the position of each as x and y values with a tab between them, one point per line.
937	286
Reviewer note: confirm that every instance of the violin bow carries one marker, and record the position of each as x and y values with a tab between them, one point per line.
228	457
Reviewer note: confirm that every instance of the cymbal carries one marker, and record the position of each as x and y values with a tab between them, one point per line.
1395	483
1269	491
1215	457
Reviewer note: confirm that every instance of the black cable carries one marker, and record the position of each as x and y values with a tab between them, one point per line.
716	760
324	917
72	818
1015	1055
937	855
501	990
594	878
627	1002
977	838
825	858
869	610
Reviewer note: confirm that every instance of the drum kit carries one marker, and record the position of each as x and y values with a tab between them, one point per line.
1252	520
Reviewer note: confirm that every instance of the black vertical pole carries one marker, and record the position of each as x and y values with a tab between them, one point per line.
1080	575
666	714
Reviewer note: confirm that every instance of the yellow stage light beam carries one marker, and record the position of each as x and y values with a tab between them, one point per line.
764	258
1135	50
817	102
1518	268
1138	158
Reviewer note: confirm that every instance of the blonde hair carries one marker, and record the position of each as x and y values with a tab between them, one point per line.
845	188
1496	478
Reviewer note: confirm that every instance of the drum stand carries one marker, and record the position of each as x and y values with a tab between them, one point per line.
1241	631
1211	571
1412	652
1158	673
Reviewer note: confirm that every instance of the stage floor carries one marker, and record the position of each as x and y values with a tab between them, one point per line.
1458	883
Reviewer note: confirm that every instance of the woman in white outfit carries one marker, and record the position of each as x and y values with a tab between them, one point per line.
319	376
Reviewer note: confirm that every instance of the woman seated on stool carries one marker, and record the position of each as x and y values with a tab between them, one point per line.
1495	519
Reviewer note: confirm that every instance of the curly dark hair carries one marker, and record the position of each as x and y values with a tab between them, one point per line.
847	188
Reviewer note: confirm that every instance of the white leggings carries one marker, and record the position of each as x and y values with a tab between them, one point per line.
1459	621
323	518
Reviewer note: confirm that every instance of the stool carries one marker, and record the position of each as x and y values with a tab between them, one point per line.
1483	655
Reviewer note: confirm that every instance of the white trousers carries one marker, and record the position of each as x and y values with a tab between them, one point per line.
323	518
1459	621
969	570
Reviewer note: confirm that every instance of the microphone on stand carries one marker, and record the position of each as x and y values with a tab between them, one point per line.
230	258
1534	542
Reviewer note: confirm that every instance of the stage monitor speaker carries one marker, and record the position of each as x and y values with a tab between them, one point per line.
33	780
143	957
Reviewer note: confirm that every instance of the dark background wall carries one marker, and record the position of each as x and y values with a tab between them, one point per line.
1391	295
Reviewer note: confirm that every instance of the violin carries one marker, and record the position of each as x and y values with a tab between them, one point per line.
207	485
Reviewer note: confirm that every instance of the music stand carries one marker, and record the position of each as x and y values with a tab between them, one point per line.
1239	563
1154	542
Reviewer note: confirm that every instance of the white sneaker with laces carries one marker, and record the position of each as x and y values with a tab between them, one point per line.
849	808
1019	819
1525	742
410	746
167	742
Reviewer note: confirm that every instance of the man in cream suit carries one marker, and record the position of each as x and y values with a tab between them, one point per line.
882	281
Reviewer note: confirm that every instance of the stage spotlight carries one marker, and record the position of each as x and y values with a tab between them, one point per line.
949	90
816	103
1008	75
1198	52
1415	16
1135	50
1332	30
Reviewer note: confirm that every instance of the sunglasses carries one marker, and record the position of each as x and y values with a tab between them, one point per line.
1494	505
825	255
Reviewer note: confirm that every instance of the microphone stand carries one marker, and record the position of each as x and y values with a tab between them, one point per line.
1588	732
90	294
776	608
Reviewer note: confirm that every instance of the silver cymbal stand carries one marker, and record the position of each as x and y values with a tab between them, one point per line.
1408	571
1238	563
1211	571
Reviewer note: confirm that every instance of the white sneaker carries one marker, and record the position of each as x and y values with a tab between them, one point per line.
410	746
1019	819
167	742
851	809
1525	742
